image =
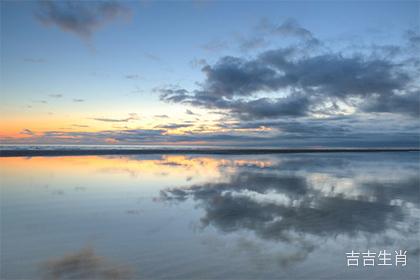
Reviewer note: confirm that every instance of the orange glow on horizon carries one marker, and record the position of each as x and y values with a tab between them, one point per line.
173	165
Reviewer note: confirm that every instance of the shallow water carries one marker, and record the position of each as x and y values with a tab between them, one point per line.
188	217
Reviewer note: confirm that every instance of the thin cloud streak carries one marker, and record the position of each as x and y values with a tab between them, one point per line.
132	116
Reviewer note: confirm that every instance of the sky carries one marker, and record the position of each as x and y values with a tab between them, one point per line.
271	73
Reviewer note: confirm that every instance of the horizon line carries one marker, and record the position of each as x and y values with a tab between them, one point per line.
168	150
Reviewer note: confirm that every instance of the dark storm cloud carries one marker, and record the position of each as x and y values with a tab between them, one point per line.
298	81
80	18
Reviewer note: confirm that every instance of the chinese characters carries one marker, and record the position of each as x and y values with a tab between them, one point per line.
383	258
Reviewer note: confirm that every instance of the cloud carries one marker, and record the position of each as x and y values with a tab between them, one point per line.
348	132
78	100
132	116
413	37
407	103
296	105
265	32
27	132
251	43
131	136
40	101
79	125
132	76
362	130
34	60
175	126
80	18
198	62
215	45
289	82
161	116
55	95
290	27
285	133
189	112
173	94
84	264
152	56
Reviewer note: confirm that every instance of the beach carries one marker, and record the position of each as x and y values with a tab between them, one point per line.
212	216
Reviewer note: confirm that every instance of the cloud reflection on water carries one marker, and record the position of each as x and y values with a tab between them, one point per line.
305	201
84	264
212	216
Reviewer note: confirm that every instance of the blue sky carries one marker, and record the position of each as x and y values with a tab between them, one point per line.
55	78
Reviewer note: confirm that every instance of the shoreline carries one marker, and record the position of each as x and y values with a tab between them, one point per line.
88	152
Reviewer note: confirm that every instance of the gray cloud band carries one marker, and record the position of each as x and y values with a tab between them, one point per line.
289	81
